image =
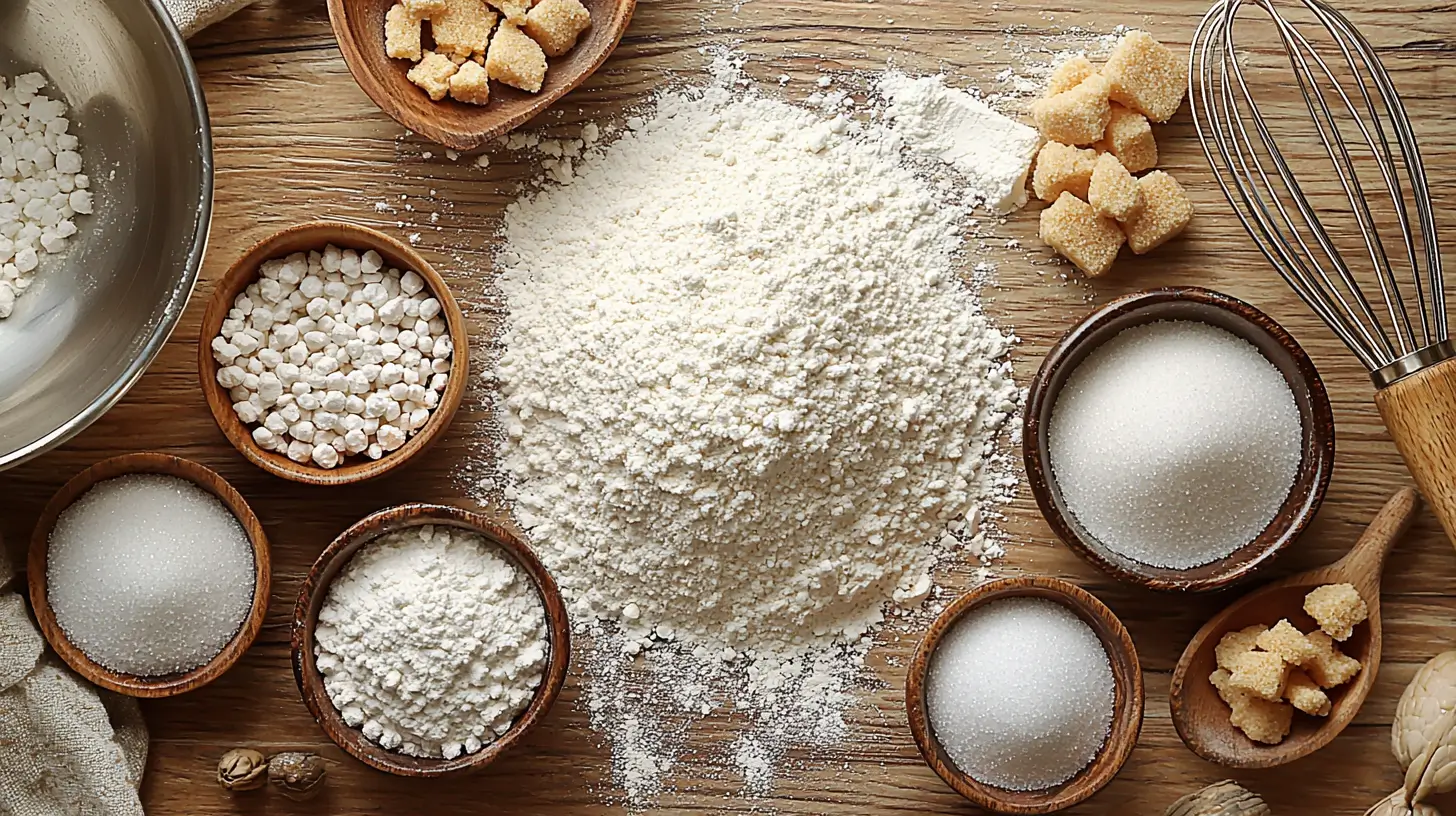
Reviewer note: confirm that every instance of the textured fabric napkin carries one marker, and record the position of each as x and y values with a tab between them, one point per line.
194	15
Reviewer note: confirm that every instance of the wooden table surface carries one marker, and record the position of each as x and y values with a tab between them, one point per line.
296	140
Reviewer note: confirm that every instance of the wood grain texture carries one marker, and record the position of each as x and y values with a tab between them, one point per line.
297	140
1202	719
1128	694
1317	458
1420	412
336	557
315	235
165	465
359	27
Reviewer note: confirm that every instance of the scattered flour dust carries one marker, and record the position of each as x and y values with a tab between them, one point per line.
745	400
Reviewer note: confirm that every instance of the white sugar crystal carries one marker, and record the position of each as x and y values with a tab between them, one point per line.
149	574
1175	443
1020	694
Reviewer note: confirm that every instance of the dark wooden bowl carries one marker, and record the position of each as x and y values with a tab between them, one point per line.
130	684
311	598
359	28
303	238
1127	716
1241	320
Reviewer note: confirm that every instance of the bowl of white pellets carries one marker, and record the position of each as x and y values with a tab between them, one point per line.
428	639
149	574
332	353
1179	439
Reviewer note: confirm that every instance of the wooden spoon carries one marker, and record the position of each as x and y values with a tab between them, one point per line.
1202	719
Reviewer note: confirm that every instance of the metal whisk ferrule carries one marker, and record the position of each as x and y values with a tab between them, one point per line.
1359	120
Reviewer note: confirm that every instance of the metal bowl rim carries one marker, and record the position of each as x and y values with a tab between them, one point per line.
182	293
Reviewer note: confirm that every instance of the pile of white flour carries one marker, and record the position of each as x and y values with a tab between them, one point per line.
744	393
431	642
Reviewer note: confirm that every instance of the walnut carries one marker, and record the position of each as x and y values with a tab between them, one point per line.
242	769
1224	798
299	776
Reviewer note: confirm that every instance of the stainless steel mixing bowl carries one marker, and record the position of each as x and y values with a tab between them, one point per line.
95	318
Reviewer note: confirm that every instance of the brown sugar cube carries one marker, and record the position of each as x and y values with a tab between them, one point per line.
1306	695
1337	608
555	25
1146	76
463	28
424	9
1129	137
1165	213
433	74
1113	191
1072	228
1287	642
1236	643
515	59
1261	674
1075	117
513	10
1069	75
470	84
1262	720
402	34
1329	667
1062	169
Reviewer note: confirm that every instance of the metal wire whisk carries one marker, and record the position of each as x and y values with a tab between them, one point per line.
1348	98
1360	122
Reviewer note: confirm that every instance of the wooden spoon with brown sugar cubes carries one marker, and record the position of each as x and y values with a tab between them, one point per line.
1199	711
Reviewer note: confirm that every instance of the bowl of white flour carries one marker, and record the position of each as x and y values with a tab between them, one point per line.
427	639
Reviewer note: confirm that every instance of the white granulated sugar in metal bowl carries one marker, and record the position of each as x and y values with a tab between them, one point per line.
744	393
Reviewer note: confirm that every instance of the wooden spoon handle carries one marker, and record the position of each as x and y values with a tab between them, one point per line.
1420	412
1366	559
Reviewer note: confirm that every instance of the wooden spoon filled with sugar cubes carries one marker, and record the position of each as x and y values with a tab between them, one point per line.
1281	672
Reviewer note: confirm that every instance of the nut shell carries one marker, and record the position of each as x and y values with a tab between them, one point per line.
1423	734
1224	798
1395	805
242	769
298	775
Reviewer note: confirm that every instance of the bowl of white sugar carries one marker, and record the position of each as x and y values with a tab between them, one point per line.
1025	695
149	574
428	639
1179	439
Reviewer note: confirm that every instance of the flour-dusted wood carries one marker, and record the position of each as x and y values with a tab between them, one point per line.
306	238
1127	714
296	141
1202	718
165	465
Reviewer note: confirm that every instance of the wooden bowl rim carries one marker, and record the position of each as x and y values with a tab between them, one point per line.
165	465
1150	305
491	122
327	567
1127	716
244	271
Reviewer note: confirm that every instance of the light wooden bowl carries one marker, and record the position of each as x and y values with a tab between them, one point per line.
1127	716
1201	717
303	238
1239	319
359	28
311	598
131	684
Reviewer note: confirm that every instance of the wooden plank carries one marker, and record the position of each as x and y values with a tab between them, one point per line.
296	139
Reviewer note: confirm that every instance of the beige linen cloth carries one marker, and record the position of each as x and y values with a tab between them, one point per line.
66	748
194	15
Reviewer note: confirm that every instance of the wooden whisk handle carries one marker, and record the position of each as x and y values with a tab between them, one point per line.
1420	412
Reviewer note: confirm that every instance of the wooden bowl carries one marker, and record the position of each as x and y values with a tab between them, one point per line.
359	28
1127	716
130	684
303	238
311	598
1239	319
